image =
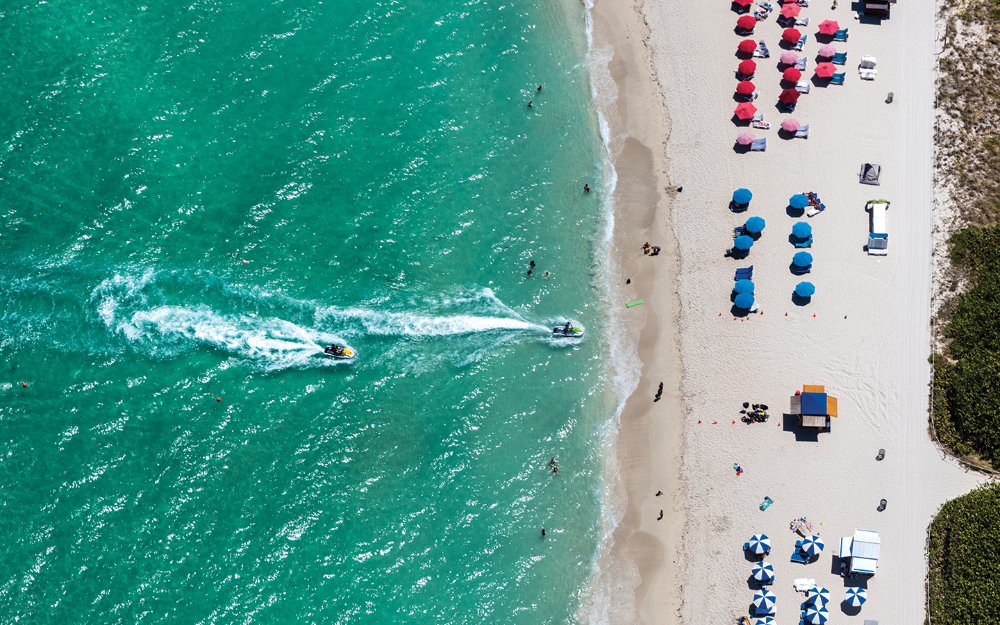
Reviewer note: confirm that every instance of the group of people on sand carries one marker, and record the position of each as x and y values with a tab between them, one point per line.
650	250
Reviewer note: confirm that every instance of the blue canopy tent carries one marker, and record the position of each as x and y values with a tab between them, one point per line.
743	286
802	259
798	201
855	597
755	225
743	242
759	544
802	230
763	572
744	301
742	196
763	602
805	289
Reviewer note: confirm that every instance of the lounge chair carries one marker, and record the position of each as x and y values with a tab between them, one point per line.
762	51
804	243
803	86
759	145
744	273
867	68
801	64
838	79
764	505
801	43
815	210
802	132
797	557
759	123
801	21
840	58
840	35
767	6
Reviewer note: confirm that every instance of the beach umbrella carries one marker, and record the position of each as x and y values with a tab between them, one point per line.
742	196
743	242
825	70
827	51
759	544
747	46
856	597
802	259
743	3
805	289
791	35
789	124
747	22
747	67
828	27
790	10
755	225
788	96
744	110
801	230
744	301
745	138
763	601
763	572
791	74
788	58
818	595
811	545
743	286
745	87
816	615
798	201
767	620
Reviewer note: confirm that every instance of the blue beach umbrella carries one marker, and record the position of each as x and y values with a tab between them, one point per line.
812	546
743	242
818	596
805	289
755	225
743	286
763	601
801	230
763	572
856	597
815	615
767	620
802	259
742	196
759	544
798	201
744	301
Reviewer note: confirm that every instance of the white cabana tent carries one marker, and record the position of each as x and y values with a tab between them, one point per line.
862	550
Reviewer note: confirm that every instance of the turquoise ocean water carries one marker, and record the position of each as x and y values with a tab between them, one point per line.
195	198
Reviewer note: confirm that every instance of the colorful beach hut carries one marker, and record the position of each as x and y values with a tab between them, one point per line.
814	406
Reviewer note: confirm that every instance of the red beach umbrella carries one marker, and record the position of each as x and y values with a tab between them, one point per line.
747	67
791	35
745	88
743	3
828	27
747	22
747	46
789	124
790	10
788	58
826	51
825	70
745	111
745	138
788	96
791	74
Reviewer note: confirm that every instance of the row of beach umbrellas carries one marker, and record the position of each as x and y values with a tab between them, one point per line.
826	28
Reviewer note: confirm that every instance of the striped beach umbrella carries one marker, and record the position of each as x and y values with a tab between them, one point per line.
802	230
812	545
759	544
856	597
763	601
755	225
815	615
767	620
819	596
798	201
743	286
763	572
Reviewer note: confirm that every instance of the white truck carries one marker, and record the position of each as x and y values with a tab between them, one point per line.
878	235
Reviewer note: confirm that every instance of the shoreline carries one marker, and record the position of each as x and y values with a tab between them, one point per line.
636	570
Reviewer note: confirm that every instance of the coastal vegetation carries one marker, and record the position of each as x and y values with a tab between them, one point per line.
964	587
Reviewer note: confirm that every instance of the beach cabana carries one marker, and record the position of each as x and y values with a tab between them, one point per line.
799	201
827	51
744	110
745	88
816	615
791	74
744	301
747	68
746	23
758	544
742	196
755	225
747	46
813	405
828	27
862	551
826	70
805	289
763	572
763	602
788	96
855	597
743	243
791	35
745	138
818	595
743	286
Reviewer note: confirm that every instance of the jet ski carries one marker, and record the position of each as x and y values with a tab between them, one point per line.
339	352
569	331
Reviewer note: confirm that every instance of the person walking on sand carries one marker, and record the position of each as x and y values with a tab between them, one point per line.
660	518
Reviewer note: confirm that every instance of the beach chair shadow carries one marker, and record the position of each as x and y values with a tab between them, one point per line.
790	423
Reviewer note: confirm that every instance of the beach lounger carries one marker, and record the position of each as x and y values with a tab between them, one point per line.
806	243
801	21
816	210
744	273
838	79
759	123
803	86
762	52
840	58
840	35
798	557
764	505
867	68
801	43
759	145
802	132
801	64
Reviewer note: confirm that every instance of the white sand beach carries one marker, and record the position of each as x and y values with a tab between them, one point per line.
865	335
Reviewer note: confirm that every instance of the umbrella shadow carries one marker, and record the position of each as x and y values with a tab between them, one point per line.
790	423
742	32
799	271
849	610
823	39
738	208
737	254
785	108
739	312
784	45
784	134
799	300
740	149
820	83
791	211
795	241
740	10
740	122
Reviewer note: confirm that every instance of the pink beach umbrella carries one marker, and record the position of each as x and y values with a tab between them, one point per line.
791	35
827	51
745	138
788	58
828	27
826	70
790	10
791	75
789	124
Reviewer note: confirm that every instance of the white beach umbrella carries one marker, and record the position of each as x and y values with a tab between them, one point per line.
856	597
